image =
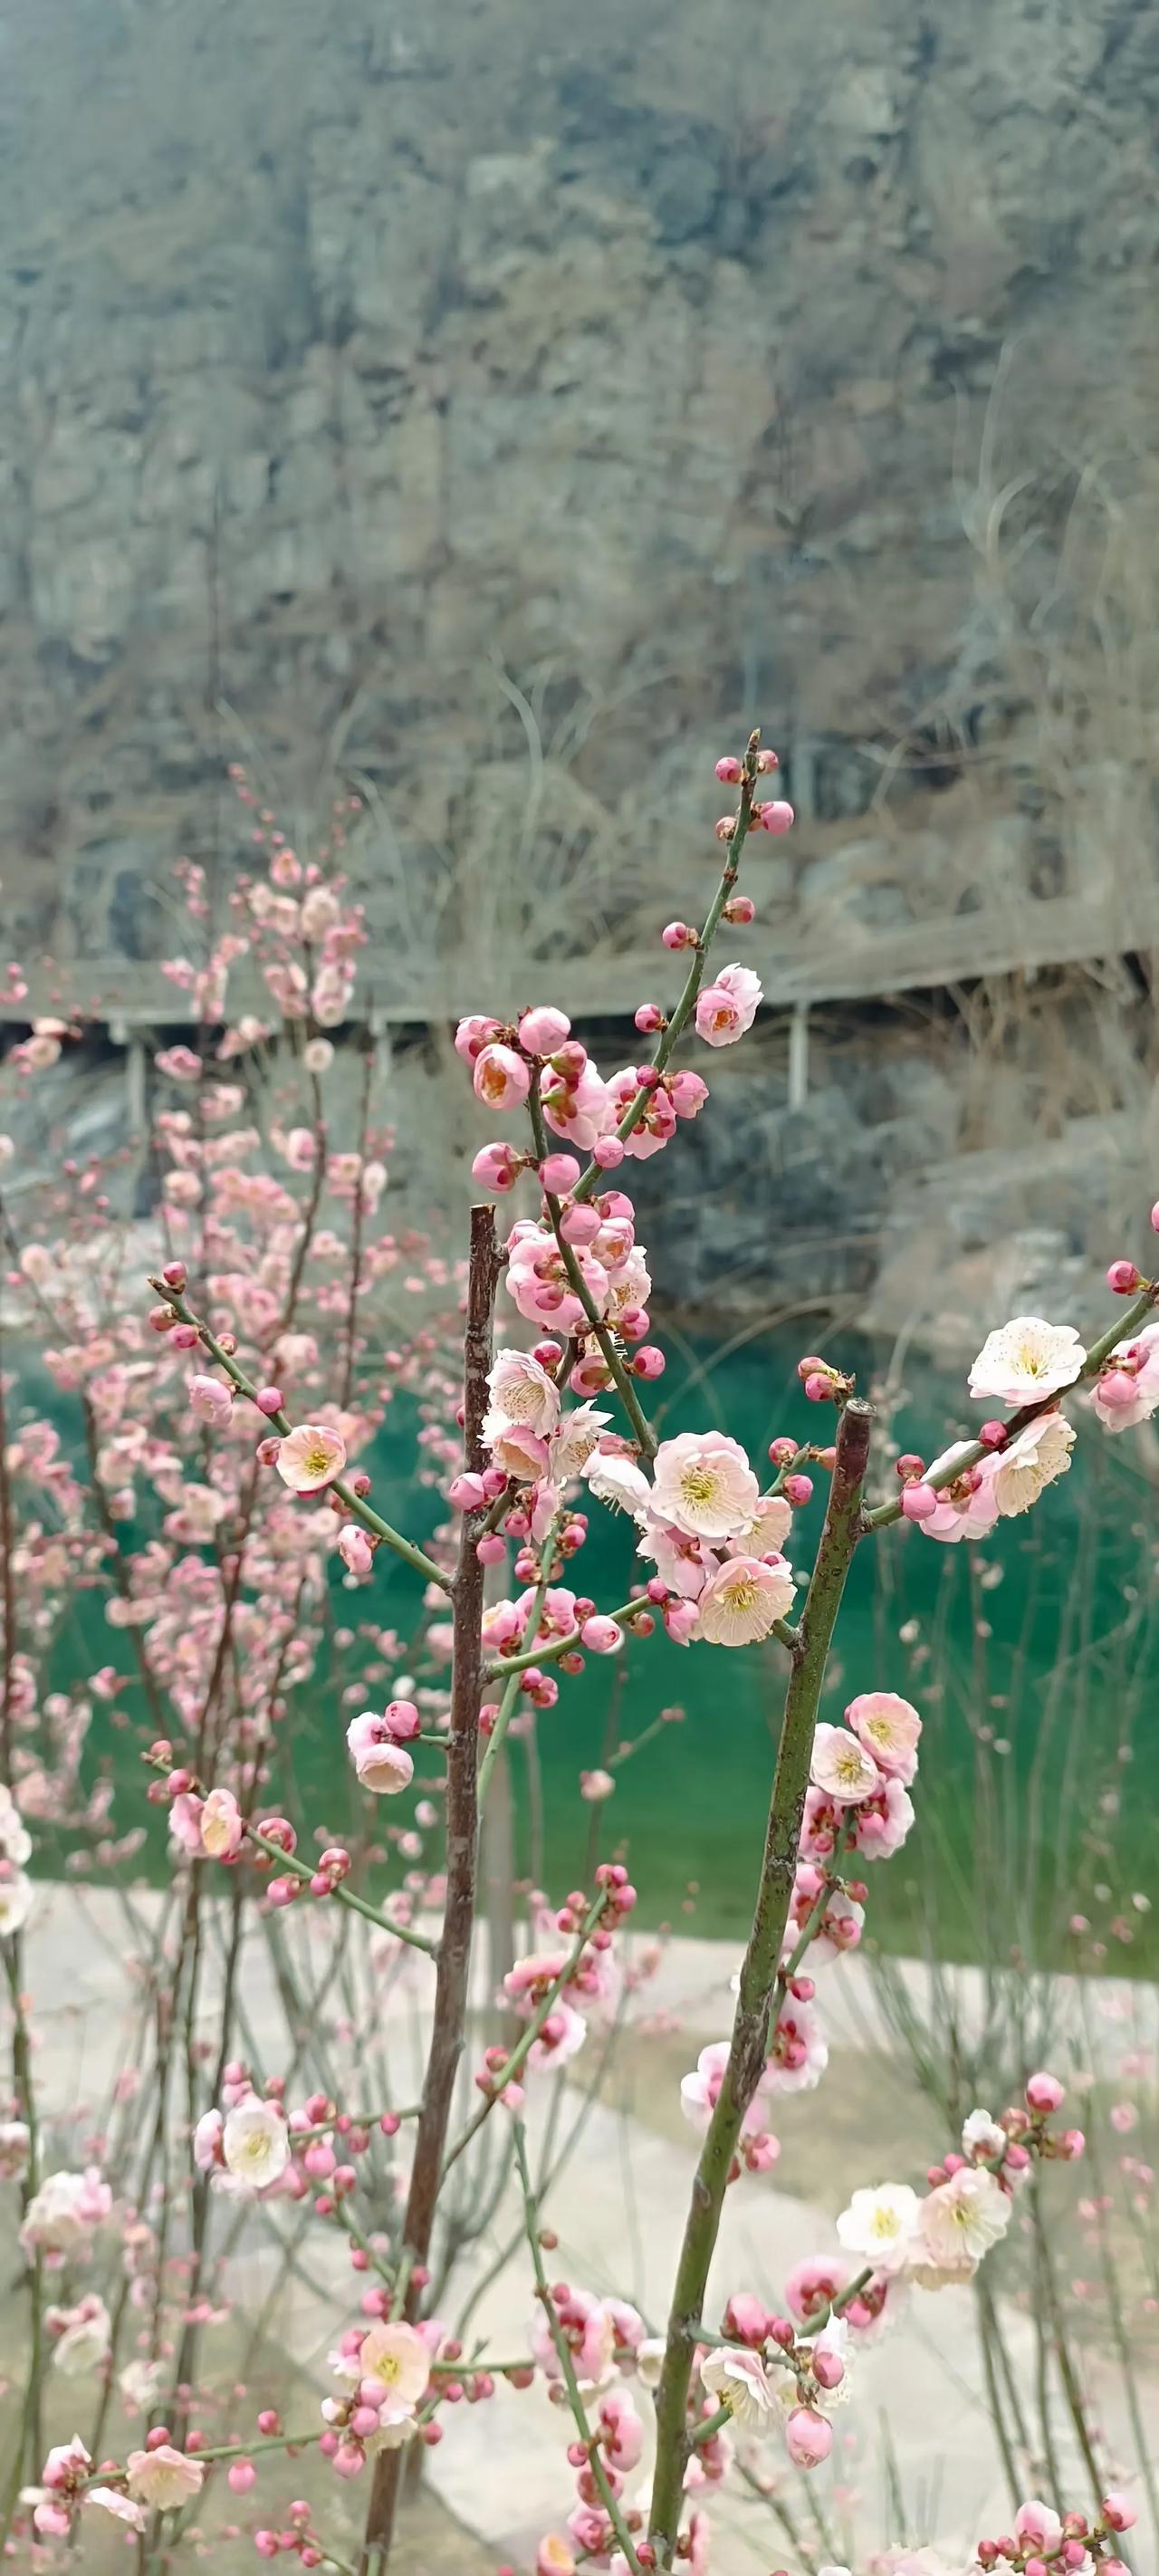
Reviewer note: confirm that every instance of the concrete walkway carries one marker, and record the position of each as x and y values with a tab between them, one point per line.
618	2209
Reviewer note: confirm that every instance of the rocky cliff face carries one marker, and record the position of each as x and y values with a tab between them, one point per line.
344	354
382	381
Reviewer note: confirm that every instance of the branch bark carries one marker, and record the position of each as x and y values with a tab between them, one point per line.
750	2032
450	2010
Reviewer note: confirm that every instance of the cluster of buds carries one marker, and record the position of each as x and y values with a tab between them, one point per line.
822	1383
298	2538
776	816
1046	2543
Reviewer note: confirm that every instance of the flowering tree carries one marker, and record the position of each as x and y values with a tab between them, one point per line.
241	1403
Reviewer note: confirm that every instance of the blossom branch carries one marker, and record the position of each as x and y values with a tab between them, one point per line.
758	1974
280	1422
563	2356
962	1458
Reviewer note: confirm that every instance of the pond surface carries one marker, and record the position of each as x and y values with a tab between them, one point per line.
1033	1659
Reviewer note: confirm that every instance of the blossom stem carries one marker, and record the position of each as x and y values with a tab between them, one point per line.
511	1689
886	1513
280	1422
712	2425
291	1866
558	1646
564	2358
449	2017
758	1977
687	1002
513	2065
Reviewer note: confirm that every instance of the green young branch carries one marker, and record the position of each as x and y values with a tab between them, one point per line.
687	1002
563	2356
758	1977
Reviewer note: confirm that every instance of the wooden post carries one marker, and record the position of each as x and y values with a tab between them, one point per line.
799	1056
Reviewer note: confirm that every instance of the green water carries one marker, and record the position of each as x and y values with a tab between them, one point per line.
1029	1729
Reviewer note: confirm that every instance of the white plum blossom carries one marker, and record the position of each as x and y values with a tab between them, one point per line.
255	2144
521	1391
842	1767
1030	1462
982	2137
957	2224
15	1839
879	2225
703	1483
1025	1359
16	1900
737	2378
616	1479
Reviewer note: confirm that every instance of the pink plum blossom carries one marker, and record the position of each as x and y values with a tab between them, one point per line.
383	1765
727	1007
889	1727
212	1401
842	1767
741	1602
501	1078
310	1456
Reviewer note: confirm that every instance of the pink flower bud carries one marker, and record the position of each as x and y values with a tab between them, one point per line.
782	1450
492	1549
1071	2145
175	1275
185	1337
543	1030
677	934
241	2477
580	1224
993	1435
497	1167
767	760
729	770
473	1035
559	1173
819	1389
725	826
1155	1217
268	1399
1044	2092
798	1489
355	1550
1123	1278
649	1018
1117	1388
466	1493
777	817
601	1636
648	1362
1118	2511
607	1152
740	909
828	2368
808	2438
919	1503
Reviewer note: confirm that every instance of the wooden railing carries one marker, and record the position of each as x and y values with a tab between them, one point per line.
802	965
